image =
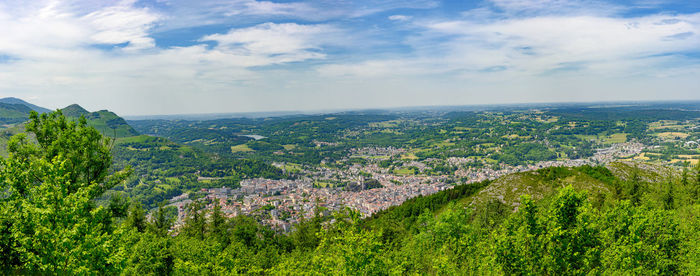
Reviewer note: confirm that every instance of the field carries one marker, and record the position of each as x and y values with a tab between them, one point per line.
241	148
404	171
672	135
615	138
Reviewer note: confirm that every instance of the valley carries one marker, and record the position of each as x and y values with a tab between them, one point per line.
282	170
395	176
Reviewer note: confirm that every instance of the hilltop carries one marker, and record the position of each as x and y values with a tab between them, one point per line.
602	184
12	100
14	110
74	110
13	113
105	121
598	182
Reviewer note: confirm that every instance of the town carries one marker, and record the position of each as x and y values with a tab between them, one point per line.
283	203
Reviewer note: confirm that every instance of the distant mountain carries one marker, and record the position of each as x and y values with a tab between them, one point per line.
74	110
14	110
11	100
107	122
13	113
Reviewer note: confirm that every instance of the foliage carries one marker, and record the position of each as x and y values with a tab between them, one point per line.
49	220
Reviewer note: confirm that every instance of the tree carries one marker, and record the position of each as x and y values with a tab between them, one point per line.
151	255
695	190
118	206
217	226
195	223
137	217
50	223
684	177
572	236
563	240
668	198
160	222
518	246
641	240
635	187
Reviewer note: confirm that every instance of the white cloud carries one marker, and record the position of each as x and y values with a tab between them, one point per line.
188	13
252	7
58	29
52	57
558	7
537	59
122	24
285	42
539	44
400	17
533	46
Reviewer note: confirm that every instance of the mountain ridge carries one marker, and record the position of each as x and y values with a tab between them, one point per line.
105	121
14	110
13	100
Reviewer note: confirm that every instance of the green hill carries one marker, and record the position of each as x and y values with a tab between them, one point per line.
598	182
13	113
12	117
623	217
107	122
603	185
538	184
11	100
13	110
74	110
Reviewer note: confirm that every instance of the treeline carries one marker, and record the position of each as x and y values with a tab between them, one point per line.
411	209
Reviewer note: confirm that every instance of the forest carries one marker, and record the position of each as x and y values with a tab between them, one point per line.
51	223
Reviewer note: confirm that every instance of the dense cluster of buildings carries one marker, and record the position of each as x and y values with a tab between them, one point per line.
282	203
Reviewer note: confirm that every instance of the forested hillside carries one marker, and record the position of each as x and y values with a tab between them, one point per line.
11	100
631	218
108	123
164	169
13	113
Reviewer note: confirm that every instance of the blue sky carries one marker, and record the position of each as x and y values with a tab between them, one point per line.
182	56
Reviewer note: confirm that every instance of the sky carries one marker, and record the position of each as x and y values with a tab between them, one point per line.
219	56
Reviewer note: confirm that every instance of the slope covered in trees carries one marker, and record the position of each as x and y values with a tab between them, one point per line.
12	100
13	110
107	122
13	113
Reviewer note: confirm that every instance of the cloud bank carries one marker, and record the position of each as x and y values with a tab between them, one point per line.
168	56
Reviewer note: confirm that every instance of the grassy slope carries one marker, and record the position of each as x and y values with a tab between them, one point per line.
11	100
13	113
106	122
647	172
110	124
508	189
